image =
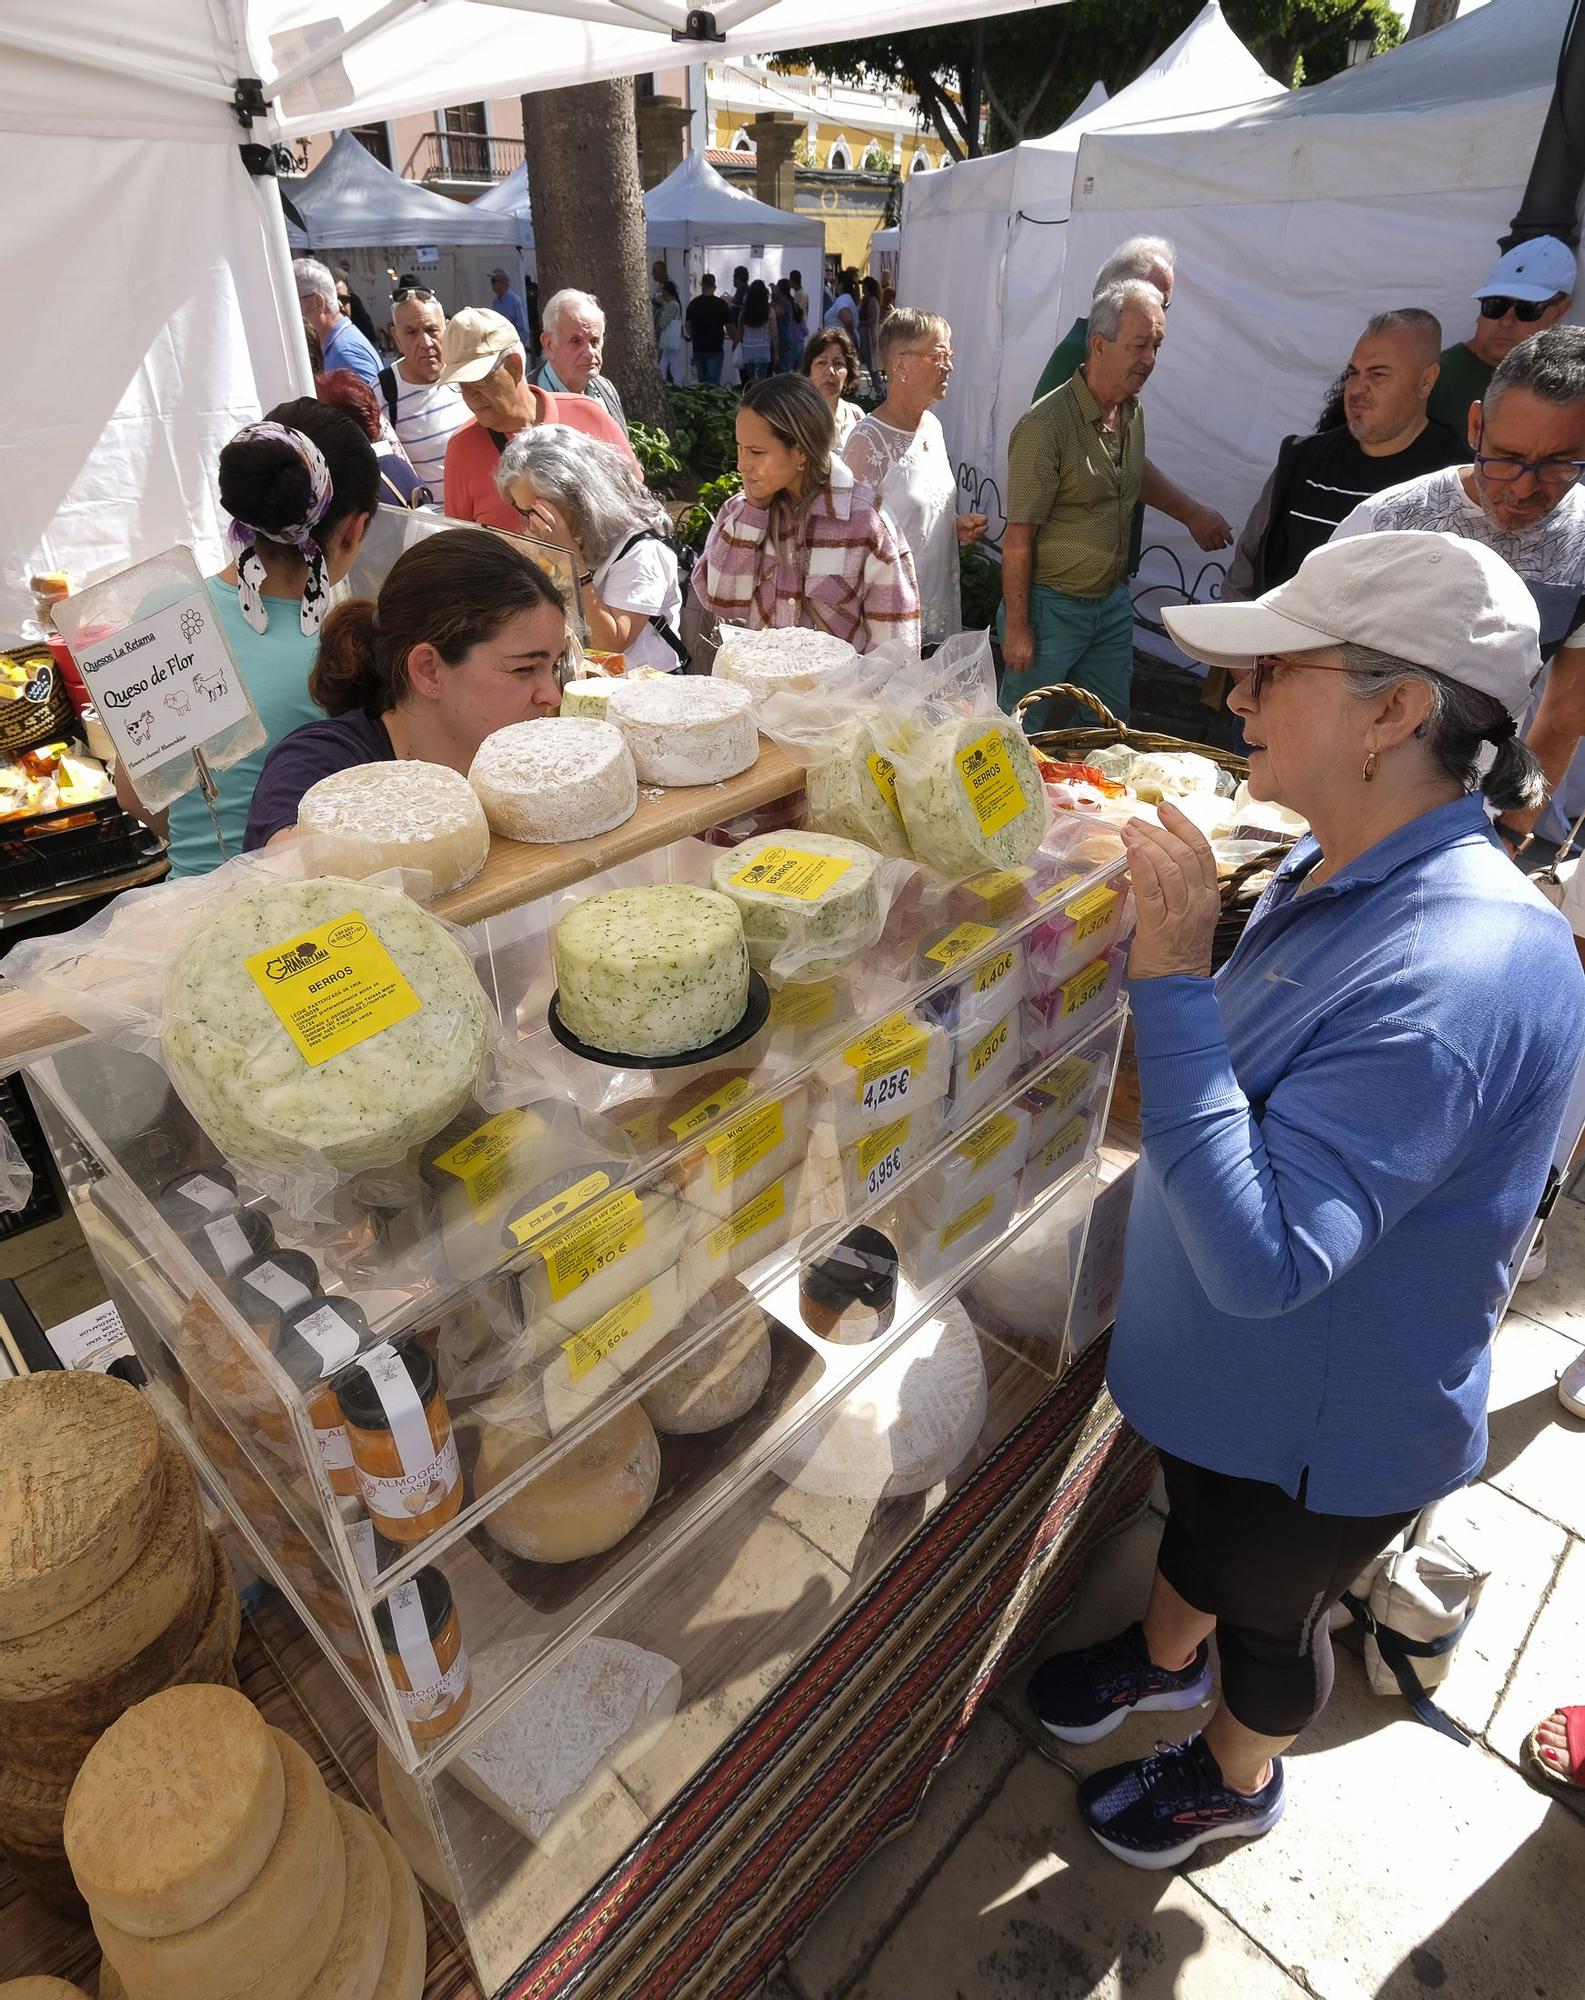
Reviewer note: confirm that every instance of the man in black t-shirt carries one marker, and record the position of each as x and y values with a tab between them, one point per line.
706	321
1385	438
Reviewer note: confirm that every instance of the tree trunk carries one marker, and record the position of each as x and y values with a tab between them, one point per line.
588	208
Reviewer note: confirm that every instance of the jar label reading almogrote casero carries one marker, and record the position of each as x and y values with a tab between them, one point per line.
333	987
791	871
430	1692
482	1160
207	1194
990	783
427	1475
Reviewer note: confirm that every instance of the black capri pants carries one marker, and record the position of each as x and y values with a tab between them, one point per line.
1268	1570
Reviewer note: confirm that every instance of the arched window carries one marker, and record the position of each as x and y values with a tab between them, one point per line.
840	157
741	142
920	162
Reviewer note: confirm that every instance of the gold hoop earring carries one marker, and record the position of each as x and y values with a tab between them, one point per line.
1370	767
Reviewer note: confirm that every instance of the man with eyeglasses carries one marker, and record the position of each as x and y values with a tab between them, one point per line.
425	412
1520	495
1530	288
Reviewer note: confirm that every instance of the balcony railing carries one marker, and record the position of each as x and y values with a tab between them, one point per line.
463	156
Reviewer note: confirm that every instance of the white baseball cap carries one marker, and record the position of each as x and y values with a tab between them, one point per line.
1539	269
1438	601
475	341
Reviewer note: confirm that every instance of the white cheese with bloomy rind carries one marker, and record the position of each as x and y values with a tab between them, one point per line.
971	796
852	792
413	815
584	1502
175	1810
780	660
822	919
652	971
555	780
684	729
247	1083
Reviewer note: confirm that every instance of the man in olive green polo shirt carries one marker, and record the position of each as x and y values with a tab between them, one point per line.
1075	473
1530	288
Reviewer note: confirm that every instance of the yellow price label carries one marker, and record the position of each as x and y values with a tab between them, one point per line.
1000	884
482	1160
557	1207
1068	1140
760	1213
802	1006
883	776
994	971
960	944
1082	988
333	987
887	1059
791	872
985	1052
971	1218
593	1243
588	1349
709	1109
1057	1090
1091	913
746	1142
879	1144
1053	890
991	1138
990	784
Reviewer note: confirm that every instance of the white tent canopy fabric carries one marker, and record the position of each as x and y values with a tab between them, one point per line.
696	215
1295	220
994	233
125	137
350	201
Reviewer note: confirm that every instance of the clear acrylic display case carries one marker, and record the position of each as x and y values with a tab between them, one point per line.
589	1267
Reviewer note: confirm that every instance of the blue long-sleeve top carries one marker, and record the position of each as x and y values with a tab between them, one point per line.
1344	1136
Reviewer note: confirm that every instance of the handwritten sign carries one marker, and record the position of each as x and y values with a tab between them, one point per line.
164	684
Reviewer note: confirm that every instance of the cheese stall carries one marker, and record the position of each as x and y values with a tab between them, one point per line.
615	1294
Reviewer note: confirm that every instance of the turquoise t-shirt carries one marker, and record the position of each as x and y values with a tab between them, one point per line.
274	665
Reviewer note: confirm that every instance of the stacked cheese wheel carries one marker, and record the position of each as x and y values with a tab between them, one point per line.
110	1590
215	1864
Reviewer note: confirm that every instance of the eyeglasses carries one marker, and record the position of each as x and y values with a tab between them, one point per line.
1526	311
1556	474
1266	664
419	294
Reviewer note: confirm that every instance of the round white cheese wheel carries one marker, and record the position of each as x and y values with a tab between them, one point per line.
780	660
810	903
247	1083
906	1425
401	815
715	1385
584	1502
852	792
653	971
175	1810
558	779
685	730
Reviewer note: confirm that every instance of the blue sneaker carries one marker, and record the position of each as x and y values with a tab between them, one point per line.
1083	1696
1154	1812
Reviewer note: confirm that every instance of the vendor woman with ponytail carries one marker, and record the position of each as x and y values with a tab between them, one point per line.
300	488
466	637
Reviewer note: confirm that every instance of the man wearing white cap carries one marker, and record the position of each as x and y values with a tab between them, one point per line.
1530	288
1344	1136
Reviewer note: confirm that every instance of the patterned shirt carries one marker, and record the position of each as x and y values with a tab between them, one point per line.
1077	482
840	568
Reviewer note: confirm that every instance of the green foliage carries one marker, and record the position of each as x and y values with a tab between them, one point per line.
981	583
694	526
701	420
876	159
653	450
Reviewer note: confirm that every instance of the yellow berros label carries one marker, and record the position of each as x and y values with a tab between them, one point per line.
990	783
883	776
791	871
333	987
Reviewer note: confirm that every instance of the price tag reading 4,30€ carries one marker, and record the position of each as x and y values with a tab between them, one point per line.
333	987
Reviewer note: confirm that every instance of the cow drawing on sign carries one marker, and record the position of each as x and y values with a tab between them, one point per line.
141	726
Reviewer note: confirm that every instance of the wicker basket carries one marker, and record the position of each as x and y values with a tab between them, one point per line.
42	711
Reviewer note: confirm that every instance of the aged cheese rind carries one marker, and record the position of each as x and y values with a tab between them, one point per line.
40	1989
944	829
805	938
715	1385
401	1975
80	1489
585	1502
780	659
353	1966
175	1810
685	730
557	779
302	1869
409	1824
161	1585
407	814
244	1079
652	971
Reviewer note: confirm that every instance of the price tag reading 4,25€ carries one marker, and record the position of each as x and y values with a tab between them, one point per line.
887	1060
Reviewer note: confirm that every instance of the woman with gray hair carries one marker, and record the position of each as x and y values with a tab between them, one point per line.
584	497
1346	1135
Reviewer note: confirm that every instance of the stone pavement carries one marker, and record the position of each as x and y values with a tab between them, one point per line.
1404	1866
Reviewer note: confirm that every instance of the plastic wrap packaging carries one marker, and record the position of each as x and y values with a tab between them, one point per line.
810	903
983	1063
1052	1020
1015	1291
16	1176
883	1075
850	782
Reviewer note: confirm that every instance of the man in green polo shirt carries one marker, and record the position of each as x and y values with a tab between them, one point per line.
1075	474
1149	257
1530	288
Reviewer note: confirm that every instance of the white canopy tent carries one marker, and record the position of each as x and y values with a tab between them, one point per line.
125	134
510	198
885	247
1295	220
699	222
998	232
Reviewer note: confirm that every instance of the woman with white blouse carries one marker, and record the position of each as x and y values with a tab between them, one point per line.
831	362
901	450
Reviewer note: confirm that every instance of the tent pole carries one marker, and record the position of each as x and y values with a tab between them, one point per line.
300	72
1551	197
118	63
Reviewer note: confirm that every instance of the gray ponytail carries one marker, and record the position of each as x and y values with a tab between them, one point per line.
1462	723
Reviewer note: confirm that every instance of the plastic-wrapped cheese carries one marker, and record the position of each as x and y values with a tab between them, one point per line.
853	792
399	815
586	1368
930	1248
734	1144
971	797
869	1166
780	660
992	1153
984	1061
653	971
1025	1287
606	1249
891	1069
555	780
756	1230
810	903
323	1020
684	730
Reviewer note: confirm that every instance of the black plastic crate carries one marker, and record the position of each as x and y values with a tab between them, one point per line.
22	1123
64	849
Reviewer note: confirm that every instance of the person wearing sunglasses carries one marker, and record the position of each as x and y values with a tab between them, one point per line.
425	412
1530	288
1345	1136
466	636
